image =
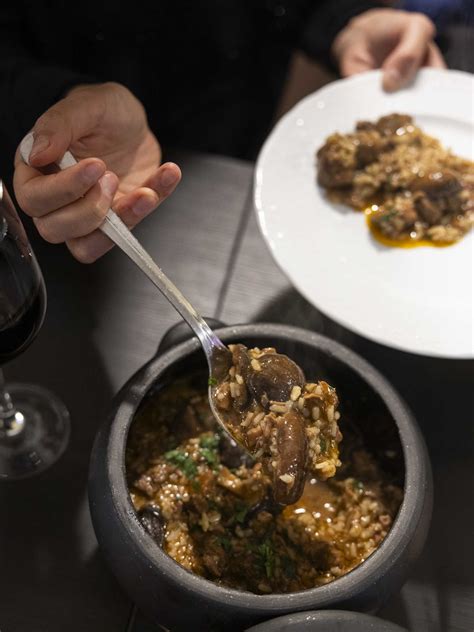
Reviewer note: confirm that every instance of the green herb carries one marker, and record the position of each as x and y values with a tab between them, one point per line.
212	381
183	461
209	441
240	513
196	485
208	447
211	457
289	567
267	557
225	543
357	485
388	216
324	444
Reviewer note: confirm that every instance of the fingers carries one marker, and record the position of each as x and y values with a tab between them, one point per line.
409	54
131	208
83	216
356	59
40	194
134	206
434	58
165	179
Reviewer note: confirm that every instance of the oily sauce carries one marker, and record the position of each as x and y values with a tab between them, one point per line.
408	242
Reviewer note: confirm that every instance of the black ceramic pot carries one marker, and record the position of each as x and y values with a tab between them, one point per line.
181	601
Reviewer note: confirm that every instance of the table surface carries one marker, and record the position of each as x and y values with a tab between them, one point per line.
104	321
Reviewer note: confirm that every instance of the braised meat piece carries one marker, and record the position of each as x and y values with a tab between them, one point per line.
368	146
337	162
428	210
366	126
390	124
411	188
438	184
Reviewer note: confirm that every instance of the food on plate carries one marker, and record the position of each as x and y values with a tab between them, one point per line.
209	506
286	423
413	190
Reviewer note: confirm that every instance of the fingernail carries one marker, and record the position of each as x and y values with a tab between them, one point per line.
40	144
92	172
142	207
108	184
167	178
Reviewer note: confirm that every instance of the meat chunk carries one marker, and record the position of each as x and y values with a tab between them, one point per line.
368	146
275	379
388	125
396	218
289	474
337	162
428	210
438	184
365	126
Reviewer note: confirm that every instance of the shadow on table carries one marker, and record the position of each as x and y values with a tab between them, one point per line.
47	545
441	395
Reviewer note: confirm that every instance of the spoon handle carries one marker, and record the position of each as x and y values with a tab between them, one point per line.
118	232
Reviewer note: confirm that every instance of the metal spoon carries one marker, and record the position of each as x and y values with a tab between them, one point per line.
217	354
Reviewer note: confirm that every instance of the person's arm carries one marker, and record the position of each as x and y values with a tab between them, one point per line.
356	36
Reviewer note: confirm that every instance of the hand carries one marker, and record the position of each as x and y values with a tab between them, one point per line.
106	127
399	42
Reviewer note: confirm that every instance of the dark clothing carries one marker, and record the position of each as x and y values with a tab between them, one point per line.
209	73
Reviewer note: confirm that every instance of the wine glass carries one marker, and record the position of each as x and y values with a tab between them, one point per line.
34	423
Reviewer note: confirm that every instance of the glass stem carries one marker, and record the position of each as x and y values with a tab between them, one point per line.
11	420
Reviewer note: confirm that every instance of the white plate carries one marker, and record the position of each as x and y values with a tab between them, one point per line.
419	300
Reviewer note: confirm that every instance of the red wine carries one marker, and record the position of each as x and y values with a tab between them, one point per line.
22	294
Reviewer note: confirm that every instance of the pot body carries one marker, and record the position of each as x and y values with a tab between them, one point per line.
179	600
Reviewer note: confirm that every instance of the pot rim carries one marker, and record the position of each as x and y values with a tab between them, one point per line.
417	477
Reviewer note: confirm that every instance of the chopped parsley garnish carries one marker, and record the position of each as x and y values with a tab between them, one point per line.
209	441
324	444
240	513
267	557
225	543
208	448
183	461
196	485
212	381
388	216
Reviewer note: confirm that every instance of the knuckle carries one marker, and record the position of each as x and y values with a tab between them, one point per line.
81	252
48	231
52	118
26	201
98	210
425	23
407	58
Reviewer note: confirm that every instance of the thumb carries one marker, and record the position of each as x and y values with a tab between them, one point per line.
355	59
65	122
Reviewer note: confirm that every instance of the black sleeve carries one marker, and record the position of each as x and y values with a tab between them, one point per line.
326	20
28	85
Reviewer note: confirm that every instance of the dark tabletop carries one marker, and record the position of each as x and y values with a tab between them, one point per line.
104	321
